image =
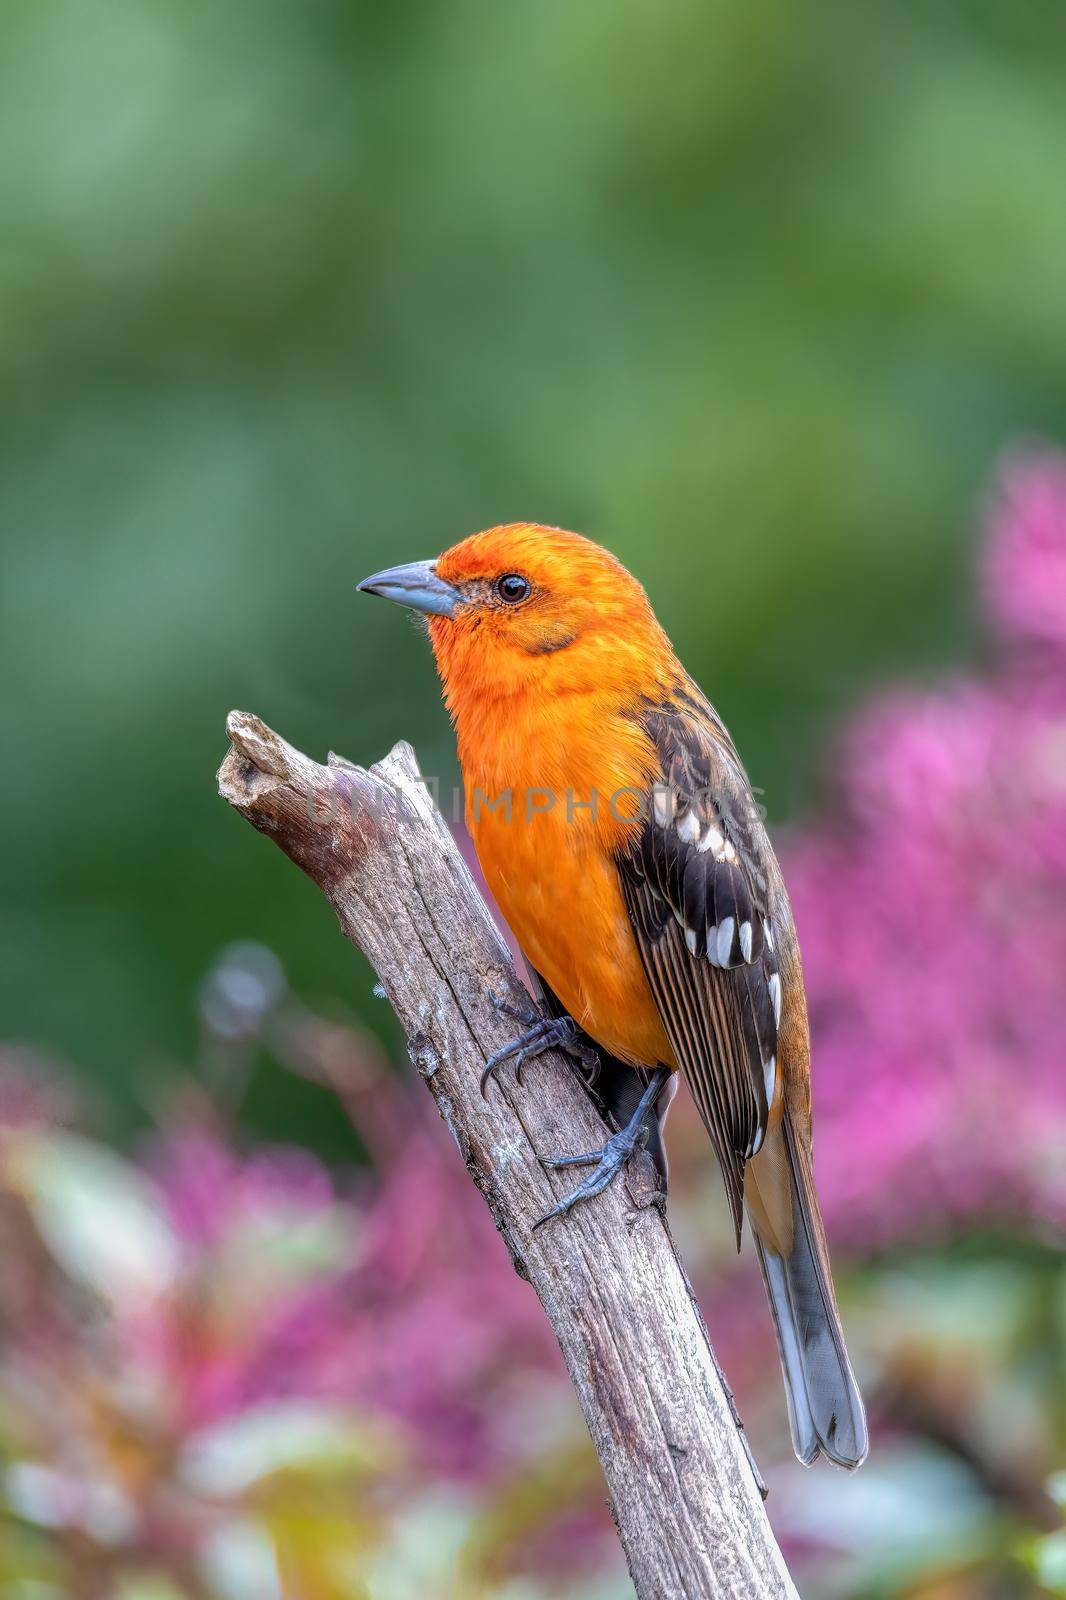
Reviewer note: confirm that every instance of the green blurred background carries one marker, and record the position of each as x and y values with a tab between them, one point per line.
753	292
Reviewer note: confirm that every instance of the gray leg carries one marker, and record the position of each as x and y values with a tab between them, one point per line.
609	1161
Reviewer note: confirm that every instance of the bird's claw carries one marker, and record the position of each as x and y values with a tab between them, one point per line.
587	1056
541	1033
608	1163
620	1146
531	1043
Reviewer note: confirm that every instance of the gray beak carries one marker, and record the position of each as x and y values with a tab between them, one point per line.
415	585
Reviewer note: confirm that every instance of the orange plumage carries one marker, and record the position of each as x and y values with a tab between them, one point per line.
558	721
615	827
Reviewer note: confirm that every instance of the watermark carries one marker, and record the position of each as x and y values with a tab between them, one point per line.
627	804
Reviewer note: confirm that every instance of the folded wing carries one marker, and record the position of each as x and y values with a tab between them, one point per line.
698	897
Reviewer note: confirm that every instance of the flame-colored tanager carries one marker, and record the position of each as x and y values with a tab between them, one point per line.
615	825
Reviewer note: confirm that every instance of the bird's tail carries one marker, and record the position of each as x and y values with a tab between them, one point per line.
825	1409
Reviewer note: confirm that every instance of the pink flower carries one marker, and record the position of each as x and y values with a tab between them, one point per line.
1024	570
932	914
375	1298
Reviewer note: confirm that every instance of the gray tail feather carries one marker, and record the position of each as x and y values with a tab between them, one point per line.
825	1409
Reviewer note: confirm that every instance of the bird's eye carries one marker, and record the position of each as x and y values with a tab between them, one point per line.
512	587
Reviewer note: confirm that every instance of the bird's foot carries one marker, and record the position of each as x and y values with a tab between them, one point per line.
541	1033
609	1161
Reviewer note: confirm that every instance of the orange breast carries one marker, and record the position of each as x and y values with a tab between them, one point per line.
547	856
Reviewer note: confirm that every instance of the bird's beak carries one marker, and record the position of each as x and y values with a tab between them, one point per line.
415	585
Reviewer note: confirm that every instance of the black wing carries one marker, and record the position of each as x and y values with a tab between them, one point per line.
698	896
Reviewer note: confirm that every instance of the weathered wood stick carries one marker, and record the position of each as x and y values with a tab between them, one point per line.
682	1489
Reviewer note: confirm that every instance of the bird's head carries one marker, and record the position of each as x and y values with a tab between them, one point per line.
522	605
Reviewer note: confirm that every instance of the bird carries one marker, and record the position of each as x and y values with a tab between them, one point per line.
617	830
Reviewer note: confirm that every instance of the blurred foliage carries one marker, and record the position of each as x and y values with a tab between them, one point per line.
752	292
228	1374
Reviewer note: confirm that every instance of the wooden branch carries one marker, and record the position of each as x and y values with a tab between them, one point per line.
682	1489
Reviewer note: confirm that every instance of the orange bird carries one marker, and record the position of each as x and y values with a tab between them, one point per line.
615	825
